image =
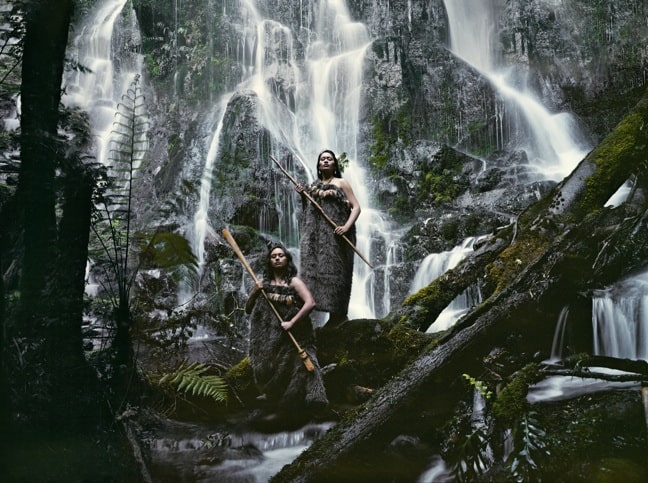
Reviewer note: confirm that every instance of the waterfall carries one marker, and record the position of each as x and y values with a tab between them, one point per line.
105	75
435	265
554	145
98	90
620	329
620	319
559	336
320	110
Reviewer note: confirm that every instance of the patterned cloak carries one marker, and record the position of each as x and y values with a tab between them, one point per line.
326	260
278	370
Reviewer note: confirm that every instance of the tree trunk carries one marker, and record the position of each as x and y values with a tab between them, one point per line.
46	354
544	268
46	34
74	234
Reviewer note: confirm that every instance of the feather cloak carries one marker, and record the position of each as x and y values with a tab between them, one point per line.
326	260
278	370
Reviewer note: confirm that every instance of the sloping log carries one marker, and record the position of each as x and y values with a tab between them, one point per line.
528	282
627	365
422	308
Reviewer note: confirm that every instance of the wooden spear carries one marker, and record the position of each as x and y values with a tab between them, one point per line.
321	210
302	353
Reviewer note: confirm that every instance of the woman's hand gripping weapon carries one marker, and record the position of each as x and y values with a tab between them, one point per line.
302	353
321	210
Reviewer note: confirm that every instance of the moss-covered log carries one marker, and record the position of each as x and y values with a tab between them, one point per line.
549	262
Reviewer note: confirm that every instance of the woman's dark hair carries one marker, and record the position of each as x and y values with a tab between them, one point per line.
291	269
336	172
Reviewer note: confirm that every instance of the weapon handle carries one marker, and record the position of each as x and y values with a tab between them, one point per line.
302	353
321	210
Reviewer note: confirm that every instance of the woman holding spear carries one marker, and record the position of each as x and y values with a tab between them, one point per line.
326	260
278	369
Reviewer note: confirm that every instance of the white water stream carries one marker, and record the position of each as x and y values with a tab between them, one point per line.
554	144
99	90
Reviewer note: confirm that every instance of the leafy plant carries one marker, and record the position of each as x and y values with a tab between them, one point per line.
473	457
528	447
112	220
192	380
115	242
479	385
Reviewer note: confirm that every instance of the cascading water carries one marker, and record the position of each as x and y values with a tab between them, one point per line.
619	329
323	113
435	265
620	319
104	77
553	144
99	89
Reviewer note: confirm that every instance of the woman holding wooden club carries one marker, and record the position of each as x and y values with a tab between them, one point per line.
326	257
278	369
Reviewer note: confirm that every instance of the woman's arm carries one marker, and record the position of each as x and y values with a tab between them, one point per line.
355	207
254	293
309	302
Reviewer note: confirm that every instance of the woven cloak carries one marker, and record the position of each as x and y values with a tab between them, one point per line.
278	370
326	260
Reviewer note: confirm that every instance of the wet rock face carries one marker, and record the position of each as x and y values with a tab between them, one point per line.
429	123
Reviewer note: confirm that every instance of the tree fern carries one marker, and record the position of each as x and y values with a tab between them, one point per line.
115	241
112	222
192	380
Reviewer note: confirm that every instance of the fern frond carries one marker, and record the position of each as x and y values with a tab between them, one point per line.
529	445
191	380
473	458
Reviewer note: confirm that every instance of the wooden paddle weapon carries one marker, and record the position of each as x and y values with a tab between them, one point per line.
321	210
302	353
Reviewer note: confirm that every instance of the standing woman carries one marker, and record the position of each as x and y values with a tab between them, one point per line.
279	372
326	258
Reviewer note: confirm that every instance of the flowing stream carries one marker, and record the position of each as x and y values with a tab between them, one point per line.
553	143
98	90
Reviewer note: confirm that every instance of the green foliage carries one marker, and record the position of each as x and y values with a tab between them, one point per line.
165	250
480	386
472	457
528	446
191	380
511	403
443	179
11	48
387	131
115	244
342	161
113	218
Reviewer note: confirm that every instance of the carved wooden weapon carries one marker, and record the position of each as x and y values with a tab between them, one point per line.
302	353
321	210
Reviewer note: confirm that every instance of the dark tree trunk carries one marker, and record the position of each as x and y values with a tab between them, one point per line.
74	232
50	314
47	24
556	255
